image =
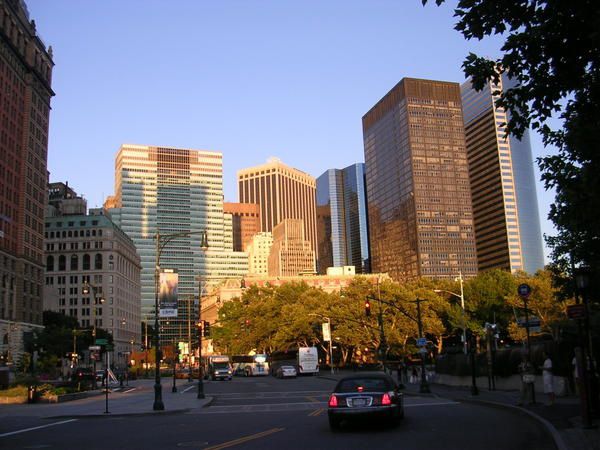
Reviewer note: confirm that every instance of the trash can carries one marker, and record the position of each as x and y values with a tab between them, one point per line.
31	391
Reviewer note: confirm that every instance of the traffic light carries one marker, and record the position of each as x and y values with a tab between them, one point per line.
367	308
206	328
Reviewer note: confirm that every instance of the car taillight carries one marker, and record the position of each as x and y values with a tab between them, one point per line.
386	400
333	401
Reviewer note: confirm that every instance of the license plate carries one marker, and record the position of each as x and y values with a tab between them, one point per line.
359	402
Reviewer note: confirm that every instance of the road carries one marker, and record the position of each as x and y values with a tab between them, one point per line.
259	413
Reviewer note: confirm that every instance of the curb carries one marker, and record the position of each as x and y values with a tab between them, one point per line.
558	440
208	402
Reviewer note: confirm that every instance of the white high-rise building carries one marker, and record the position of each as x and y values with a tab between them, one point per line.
172	190
258	253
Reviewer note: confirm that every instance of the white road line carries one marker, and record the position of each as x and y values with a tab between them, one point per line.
128	390
430	404
37	428
188	388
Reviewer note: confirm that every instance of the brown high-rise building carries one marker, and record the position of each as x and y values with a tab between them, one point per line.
245	223
25	77
282	193
418	194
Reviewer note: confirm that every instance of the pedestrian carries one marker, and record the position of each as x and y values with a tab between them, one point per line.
548	378
414	376
527	381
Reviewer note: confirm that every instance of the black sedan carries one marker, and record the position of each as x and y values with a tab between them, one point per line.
365	395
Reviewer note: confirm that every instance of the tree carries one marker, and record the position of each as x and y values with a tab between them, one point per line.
552	49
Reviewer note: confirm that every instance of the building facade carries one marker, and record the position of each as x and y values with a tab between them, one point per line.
418	192
505	208
291	253
342	225
26	78
175	191
245	223
90	250
258	251
282	193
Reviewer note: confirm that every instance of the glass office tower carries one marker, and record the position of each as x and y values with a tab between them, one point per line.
342	229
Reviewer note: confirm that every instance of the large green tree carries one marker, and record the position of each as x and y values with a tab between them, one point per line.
552	48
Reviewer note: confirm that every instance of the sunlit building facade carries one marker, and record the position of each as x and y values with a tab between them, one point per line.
291	253
172	191
418	192
282	192
505	208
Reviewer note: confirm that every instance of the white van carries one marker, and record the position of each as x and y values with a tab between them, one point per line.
308	360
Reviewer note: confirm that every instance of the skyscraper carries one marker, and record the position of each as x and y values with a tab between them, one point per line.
342	219
418	194
291	254
175	191
25	76
505	209
282	193
245	222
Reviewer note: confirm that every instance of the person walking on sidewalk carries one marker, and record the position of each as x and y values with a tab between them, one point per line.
527	381
548	378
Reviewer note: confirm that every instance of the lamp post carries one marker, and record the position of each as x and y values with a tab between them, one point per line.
583	362
87	288
204	247
462	305
161	241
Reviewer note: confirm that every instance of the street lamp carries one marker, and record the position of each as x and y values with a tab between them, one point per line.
462	305
161	242
204	247
87	288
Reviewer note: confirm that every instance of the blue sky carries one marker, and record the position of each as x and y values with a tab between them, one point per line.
251	79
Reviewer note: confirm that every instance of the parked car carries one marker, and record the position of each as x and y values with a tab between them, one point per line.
365	395
82	374
286	372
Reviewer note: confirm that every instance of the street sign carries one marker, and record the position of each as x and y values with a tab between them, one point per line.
524	290
94	347
423	350
421	342
576	311
534	324
101	341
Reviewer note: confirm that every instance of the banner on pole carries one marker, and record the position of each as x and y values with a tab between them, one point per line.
326	332
167	297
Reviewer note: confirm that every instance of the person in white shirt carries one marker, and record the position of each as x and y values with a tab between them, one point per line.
548	378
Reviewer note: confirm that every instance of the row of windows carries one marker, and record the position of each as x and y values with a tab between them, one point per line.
72	233
74	263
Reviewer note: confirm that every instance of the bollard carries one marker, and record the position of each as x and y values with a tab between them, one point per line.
31	394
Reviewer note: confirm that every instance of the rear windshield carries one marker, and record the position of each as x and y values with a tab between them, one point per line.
367	384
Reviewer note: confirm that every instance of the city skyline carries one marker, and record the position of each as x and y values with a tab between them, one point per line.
254	81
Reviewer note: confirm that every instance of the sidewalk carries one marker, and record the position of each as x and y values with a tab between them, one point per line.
138	401
563	419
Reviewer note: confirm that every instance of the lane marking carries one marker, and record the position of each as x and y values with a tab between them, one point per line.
188	388
128	390
317	412
312	399
267	393
245	439
430	404
37	428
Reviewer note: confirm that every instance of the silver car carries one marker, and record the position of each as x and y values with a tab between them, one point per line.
286	372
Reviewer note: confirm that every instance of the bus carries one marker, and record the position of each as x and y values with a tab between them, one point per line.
251	365
308	360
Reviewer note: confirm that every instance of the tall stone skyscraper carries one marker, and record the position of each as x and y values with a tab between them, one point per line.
418	193
342	219
505	208
25	77
282	193
291	254
245	222
176	191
